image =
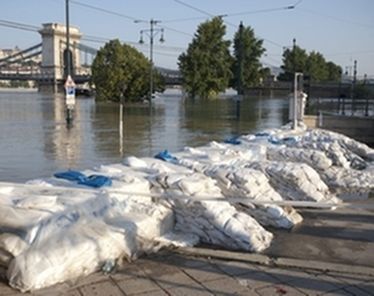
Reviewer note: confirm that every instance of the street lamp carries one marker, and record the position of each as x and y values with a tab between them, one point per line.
69	83
152	32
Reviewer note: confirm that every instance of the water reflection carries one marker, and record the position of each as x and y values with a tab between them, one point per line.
35	141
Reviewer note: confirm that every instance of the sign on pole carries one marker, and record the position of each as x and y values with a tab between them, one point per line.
69	91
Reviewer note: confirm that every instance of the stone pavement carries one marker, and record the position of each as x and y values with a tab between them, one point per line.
169	273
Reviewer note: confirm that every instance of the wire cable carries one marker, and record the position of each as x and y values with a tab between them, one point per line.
19	26
103	10
370	26
224	15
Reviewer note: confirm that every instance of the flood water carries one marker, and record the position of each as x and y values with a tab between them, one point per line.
35	141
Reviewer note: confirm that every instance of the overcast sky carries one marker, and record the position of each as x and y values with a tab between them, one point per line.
342	30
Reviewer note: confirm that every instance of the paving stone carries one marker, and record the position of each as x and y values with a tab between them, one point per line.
351	290
351	279
189	291
187	261
226	286
367	286
341	292
173	280
154	293
127	271
279	290
107	288
156	269
137	285
256	280
286	275
55	290
204	273
234	268
90	279
316	285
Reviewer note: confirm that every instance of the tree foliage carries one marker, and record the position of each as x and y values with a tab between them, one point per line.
121	71
316	67
313	64
294	60
206	66
334	71
247	68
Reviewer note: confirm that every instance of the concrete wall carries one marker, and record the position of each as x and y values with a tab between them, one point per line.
358	128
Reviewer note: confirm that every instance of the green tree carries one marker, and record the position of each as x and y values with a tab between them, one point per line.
294	60
316	67
206	66
334	71
119	70
247	69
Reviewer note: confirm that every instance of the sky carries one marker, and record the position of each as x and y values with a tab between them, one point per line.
342	30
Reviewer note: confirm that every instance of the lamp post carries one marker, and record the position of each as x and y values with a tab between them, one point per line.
151	32
67	39
69	83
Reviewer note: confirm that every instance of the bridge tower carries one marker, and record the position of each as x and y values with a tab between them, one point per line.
53	61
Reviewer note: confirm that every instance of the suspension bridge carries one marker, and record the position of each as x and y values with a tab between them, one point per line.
45	62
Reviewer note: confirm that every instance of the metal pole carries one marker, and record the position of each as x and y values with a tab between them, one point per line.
240	62
121	128
67	39
151	66
295	102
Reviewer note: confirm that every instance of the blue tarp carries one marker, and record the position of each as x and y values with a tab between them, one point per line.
70	175
166	156
233	141
95	181
262	134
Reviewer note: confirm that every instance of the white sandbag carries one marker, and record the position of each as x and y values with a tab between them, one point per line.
78	250
213	222
296	181
41	202
20	221
11	245
315	159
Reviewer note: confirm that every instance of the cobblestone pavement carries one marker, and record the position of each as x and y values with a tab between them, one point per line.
169	273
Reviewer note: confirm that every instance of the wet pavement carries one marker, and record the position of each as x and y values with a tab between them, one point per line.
342	236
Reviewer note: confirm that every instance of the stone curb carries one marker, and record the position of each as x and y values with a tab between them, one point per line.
277	262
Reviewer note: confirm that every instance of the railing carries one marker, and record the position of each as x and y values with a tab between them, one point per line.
341	106
36	73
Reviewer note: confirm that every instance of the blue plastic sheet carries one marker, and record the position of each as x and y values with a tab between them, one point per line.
166	156
233	141
262	134
70	175
95	181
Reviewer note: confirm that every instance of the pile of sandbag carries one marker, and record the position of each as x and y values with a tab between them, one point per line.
73	232
201	209
225	194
